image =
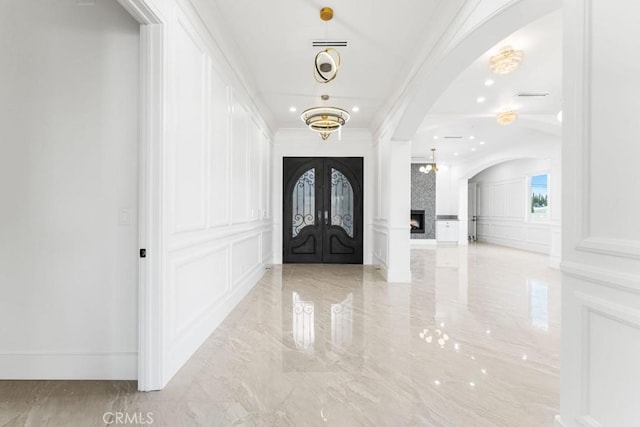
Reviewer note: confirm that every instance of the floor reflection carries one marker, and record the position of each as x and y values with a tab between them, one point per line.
472	341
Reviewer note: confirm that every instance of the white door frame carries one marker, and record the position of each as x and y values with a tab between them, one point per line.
151	125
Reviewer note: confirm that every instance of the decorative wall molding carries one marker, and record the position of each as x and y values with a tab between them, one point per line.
613	247
217	234
591	306
179	326
601	276
181	349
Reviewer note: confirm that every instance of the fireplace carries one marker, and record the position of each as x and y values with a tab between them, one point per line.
417	221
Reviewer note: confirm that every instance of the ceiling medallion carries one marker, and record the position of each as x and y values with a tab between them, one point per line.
325	120
506	61
326	14
506	117
430	166
327	64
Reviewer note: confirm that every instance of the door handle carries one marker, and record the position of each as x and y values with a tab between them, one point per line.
326	217
319	217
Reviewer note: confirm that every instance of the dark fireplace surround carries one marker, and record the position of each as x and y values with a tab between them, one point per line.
417	221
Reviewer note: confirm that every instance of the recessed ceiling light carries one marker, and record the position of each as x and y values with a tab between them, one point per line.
473	149
456	154
481	143
489	82
355	109
435	136
293	109
480	99
472	137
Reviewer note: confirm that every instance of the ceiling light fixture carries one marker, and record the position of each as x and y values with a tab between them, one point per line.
293	109
506	117
355	109
480	99
428	167
489	82
506	61
325	120
327	64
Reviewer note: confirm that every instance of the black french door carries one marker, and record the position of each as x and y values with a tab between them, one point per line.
322	210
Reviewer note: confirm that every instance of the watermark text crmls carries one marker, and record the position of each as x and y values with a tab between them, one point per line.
124	418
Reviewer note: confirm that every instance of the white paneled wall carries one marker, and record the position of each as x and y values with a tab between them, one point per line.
503	200
218	233
600	373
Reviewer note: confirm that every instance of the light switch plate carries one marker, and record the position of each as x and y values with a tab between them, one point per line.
124	216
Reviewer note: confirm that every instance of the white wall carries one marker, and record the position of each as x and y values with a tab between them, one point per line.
68	180
503	198
600	374
217	232
304	143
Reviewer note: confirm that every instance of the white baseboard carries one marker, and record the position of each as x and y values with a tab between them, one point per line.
69	366
196	334
423	242
516	244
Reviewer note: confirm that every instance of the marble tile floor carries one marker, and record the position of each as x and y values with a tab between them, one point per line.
472	341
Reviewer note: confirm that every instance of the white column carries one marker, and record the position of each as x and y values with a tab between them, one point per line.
399	211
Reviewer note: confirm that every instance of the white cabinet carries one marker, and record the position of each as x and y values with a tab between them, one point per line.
447	230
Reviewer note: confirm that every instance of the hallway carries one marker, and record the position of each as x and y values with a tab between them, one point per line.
473	340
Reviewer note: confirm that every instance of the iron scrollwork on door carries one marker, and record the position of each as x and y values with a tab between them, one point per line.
304	201
341	201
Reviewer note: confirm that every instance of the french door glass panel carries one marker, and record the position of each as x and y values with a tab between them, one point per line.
304	202
341	202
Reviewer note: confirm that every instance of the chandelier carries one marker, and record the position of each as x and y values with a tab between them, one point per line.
430	166
325	120
506	61
506	117
327	64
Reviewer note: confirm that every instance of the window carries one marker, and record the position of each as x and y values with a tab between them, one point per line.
539	200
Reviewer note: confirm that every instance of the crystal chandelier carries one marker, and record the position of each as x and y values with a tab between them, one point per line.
506	61
430	166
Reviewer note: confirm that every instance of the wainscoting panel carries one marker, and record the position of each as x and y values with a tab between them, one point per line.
245	257
240	163
608	361
267	245
199	281
219	152
189	142
214	249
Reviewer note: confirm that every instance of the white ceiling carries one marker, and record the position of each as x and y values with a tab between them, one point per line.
385	43
274	38
457	112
